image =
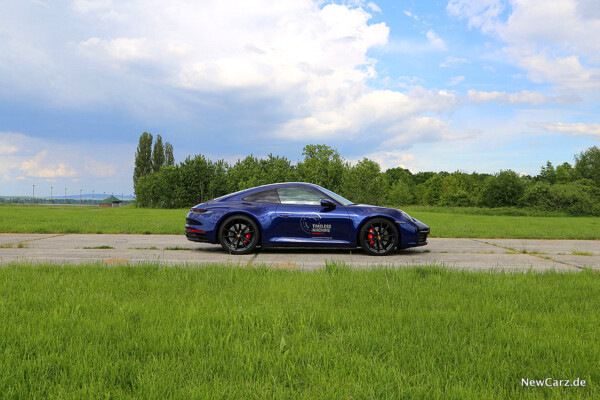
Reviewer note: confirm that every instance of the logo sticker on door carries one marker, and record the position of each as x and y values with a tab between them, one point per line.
311	224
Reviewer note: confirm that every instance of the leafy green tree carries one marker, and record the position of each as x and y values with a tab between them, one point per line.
158	154
364	183
564	173
196	174
401	191
400	194
217	185
143	157
587	165
275	169
548	173
418	192
244	174
169	158
422	177
503	190
323	166
455	190
394	175
433	190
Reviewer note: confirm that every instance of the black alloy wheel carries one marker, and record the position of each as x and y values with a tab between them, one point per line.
239	234
379	237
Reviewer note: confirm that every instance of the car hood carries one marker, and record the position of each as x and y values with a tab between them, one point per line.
392	212
372	208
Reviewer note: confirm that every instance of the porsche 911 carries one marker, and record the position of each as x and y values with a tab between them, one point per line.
301	215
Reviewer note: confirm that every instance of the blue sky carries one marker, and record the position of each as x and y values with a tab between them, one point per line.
475	85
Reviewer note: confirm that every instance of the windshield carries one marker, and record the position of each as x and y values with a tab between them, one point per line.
337	197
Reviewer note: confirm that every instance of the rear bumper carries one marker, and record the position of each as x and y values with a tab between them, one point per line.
196	235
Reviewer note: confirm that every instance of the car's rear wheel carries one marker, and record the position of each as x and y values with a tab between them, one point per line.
379	237
239	234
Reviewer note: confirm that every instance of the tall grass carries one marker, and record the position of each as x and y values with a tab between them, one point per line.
225	332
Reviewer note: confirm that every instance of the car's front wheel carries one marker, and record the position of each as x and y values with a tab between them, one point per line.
239	234
379	237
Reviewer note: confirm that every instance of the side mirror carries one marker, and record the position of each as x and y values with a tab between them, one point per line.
327	203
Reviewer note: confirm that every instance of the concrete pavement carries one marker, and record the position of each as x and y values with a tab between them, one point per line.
472	254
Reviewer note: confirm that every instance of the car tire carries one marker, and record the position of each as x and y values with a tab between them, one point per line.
239	234
379	237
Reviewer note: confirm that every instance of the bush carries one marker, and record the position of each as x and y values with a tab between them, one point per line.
503	190
574	198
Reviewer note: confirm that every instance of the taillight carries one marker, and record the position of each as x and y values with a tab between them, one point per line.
201	211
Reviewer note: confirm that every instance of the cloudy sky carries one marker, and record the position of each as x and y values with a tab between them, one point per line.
475	85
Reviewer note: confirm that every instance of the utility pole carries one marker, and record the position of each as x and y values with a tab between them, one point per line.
65	195
80	191
34	194
51	201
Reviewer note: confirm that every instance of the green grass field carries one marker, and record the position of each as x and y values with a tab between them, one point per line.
74	332
452	222
464	223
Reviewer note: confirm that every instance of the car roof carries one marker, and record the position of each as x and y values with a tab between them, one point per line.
245	192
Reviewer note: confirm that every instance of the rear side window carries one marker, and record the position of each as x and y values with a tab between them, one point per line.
266	196
299	195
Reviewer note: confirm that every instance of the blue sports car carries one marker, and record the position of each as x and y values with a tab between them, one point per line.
300	214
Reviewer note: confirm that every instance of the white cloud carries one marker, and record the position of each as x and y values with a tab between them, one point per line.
6	148
37	160
412	15
97	168
305	64
522	97
37	167
574	129
480	13
452	61
435	41
207	47
554	41
373	7
455	80
391	159
421	129
379	110
312	58
565	72
121	49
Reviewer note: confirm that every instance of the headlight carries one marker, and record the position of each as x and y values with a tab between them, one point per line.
408	217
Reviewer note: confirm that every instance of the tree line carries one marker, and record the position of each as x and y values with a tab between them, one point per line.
574	189
149	159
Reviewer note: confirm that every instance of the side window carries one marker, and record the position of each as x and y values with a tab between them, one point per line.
298	195
266	196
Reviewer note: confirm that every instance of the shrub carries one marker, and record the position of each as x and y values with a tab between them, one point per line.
502	190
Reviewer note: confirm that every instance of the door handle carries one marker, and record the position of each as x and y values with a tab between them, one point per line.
284	215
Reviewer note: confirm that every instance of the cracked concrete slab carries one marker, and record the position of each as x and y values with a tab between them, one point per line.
471	254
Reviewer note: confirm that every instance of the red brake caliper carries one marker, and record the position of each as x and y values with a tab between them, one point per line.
247	238
370	236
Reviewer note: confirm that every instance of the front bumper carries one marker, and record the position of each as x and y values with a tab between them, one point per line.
422	237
